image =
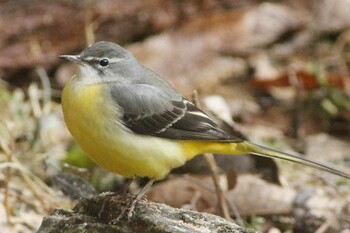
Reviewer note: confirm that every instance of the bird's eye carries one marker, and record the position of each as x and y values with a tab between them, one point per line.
104	62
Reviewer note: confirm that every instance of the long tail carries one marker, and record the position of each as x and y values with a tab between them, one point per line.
251	148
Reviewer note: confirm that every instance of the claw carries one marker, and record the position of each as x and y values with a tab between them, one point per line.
129	209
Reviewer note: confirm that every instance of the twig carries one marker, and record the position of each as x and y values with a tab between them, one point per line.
6	191
38	110
88	25
210	188
7	148
324	227
335	187
209	158
34	97
32	181
339	46
293	80
236	213
45	82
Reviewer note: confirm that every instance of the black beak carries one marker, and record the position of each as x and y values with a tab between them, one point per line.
73	58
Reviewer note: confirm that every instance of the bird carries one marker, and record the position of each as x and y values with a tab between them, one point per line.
132	122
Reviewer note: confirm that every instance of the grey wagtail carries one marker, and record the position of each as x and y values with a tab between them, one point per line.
131	121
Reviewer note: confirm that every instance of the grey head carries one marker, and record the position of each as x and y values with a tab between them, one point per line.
106	50
104	62
107	62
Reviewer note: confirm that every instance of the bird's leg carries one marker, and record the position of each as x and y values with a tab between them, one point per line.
143	191
121	191
130	209
125	186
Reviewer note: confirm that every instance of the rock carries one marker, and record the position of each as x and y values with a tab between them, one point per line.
99	214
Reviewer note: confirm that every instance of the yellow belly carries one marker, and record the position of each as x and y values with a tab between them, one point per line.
92	120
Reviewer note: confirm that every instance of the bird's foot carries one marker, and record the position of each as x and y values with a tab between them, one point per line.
128	210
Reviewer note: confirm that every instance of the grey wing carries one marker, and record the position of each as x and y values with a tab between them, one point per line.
147	110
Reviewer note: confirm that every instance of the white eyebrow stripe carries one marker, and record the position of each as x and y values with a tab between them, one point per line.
89	58
115	59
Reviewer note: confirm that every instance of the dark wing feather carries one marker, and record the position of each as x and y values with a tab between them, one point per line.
148	110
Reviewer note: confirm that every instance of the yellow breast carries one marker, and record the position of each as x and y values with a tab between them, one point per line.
92	118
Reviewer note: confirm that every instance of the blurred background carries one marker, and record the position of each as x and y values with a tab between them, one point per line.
273	72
